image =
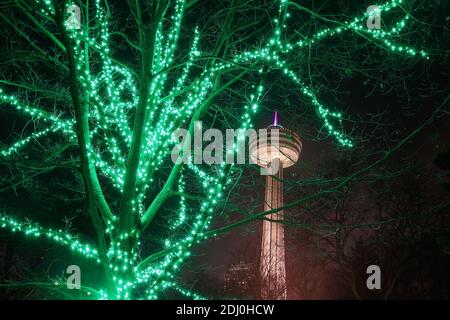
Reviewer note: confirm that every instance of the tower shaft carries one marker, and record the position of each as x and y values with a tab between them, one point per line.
273	268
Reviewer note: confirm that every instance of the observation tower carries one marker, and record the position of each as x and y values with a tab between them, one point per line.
278	150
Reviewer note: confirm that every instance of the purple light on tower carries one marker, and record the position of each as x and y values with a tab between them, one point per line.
275	118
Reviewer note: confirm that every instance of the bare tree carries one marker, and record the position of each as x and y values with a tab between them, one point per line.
101	99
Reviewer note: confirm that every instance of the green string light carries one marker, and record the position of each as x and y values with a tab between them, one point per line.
31	229
113	98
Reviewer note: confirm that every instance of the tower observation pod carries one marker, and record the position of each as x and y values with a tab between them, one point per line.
278	149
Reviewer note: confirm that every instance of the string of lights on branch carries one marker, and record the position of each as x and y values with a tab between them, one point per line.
113	95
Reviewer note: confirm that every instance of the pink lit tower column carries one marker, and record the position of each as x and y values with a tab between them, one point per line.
279	150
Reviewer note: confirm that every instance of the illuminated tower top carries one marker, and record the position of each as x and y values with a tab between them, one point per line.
286	148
